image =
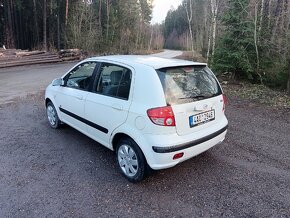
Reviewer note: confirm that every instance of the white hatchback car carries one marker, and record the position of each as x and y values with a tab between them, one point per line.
153	112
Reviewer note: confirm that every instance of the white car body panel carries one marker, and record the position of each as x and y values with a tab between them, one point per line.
130	117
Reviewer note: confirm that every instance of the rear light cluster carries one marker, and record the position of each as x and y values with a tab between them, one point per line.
225	101
162	116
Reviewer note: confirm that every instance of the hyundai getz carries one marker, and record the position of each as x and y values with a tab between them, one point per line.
153	112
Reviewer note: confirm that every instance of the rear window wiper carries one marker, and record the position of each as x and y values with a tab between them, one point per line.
197	97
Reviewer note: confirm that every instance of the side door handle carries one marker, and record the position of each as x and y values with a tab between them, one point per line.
117	107
80	97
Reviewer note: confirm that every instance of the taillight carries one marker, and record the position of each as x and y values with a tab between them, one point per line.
177	156
225	101
162	116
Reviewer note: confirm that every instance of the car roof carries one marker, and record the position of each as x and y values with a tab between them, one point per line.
155	62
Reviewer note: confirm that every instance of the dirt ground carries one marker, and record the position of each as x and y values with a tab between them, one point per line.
62	173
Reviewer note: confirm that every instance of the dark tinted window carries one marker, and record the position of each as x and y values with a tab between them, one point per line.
114	81
188	84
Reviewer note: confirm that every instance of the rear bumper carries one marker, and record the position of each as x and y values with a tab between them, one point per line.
189	144
161	149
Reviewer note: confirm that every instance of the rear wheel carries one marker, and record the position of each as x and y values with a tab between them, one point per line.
130	160
52	116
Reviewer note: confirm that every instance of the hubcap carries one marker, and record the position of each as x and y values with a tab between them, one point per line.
51	115
128	161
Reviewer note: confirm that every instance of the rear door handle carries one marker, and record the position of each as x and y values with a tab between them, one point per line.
80	97
117	107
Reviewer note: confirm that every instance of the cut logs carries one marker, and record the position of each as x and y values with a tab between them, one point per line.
16	57
71	54
13	57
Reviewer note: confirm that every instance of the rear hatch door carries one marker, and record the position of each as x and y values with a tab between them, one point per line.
195	96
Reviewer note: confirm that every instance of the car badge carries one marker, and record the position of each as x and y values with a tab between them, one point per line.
205	106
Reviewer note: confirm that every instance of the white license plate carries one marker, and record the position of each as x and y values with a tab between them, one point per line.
201	118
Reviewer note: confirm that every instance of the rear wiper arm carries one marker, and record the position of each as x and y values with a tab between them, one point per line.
197	97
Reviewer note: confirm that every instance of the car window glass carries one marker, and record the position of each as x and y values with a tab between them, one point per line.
188	84
114	81
81	76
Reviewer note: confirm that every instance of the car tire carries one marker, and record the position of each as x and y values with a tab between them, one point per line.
130	160
52	116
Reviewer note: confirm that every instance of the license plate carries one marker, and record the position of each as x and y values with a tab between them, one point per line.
201	118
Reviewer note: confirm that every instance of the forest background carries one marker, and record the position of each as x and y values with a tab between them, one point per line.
248	39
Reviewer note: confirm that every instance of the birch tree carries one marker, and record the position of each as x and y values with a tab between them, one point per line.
189	12
214	11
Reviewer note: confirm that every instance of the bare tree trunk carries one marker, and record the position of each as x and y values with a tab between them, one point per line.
150	41
137	37
214	10
66	12
36	23
288	83
277	17
9	35
261	15
58	26
270	14
209	43
108	19
100	16
189	19
256	46
44	26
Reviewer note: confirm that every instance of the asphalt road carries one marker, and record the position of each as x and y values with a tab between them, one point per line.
19	82
62	173
168	54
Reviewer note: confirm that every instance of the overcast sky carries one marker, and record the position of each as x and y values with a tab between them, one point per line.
161	7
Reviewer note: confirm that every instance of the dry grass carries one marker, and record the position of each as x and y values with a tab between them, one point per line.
258	93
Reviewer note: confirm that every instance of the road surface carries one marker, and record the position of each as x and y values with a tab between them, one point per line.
62	173
19	81
168	54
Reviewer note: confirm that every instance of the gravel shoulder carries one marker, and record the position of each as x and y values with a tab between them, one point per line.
62	173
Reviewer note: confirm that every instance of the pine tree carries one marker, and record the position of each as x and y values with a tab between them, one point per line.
235	51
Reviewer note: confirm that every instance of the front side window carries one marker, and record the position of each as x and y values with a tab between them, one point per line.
81	76
188	83
114	81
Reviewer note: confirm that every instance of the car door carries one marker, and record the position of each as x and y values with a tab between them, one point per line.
71	96
108	105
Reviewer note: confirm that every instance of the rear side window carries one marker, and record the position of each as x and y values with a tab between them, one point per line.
188	83
114	81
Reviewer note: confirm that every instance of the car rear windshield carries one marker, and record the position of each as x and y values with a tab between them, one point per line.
188	84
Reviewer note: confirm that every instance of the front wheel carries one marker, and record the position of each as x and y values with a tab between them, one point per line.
131	160
52	116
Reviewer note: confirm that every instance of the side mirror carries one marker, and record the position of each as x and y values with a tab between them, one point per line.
58	82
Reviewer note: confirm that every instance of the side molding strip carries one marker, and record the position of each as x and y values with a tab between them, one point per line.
96	126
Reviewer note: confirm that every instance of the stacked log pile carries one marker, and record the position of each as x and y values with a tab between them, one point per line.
71	54
15	57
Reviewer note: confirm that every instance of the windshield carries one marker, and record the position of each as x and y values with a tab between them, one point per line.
188	83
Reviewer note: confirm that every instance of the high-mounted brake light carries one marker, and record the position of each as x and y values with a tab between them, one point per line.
225	101
162	116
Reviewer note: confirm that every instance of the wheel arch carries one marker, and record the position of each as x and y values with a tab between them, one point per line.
117	138
136	136
47	100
